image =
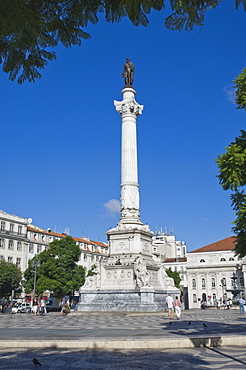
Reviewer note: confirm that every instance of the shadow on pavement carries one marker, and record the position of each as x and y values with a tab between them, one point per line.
98	359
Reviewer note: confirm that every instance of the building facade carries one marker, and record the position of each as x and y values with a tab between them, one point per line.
20	241
166	246
213	272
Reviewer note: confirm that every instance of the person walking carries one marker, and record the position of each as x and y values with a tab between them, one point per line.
170	306
42	306
241	305
177	307
35	306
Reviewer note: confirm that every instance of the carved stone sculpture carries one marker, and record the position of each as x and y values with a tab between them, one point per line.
141	272
168	282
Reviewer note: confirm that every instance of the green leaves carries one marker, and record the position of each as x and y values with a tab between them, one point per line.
188	14
10	277
175	275
29	28
240	86
232	176
58	271
232	167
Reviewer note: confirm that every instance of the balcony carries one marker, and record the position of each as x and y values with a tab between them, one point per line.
13	234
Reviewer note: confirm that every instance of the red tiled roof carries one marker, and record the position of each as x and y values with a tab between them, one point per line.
173	260
91	242
227	244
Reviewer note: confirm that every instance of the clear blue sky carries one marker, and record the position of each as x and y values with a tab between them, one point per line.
60	136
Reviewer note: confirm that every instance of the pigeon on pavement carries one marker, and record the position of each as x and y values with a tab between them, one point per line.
36	362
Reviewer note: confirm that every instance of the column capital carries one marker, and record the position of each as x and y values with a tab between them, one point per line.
128	105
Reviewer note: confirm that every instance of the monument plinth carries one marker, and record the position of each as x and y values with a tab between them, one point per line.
130	280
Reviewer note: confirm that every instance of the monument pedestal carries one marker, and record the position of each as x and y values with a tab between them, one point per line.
130	300
129	280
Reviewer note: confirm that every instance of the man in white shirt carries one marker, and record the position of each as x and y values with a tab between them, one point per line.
241	305
170	306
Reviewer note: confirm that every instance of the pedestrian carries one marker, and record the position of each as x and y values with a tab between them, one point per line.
224	304
177	306
228	304
241	305
218	303
62	306
42	306
35	306
170	306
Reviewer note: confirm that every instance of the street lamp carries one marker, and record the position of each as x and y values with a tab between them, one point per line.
35	265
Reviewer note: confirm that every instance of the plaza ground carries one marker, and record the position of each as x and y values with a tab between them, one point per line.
201	339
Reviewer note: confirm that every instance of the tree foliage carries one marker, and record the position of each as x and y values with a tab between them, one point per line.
232	176
10	277
240	86
175	275
58	271
29	29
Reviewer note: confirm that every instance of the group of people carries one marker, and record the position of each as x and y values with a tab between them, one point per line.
38	306
65	307
173	306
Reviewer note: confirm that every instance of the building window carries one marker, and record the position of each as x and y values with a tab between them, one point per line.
19	230
1	258
92	258
193	283
222	260
214	297
213	282
38	248
10	259
40	237
11	228
30	248
194	298
241	282
11	244
203	283
2	226
2	243
18	261
202	261
31	235
231	259
85	257
223	282
19	246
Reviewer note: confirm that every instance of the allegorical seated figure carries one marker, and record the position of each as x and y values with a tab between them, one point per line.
141	272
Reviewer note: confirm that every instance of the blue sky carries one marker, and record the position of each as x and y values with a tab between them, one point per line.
60	136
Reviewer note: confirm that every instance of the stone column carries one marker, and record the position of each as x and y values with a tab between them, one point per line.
129	109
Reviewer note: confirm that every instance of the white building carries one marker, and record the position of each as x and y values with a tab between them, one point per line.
166	246
13	239
171	253
20	241
210	270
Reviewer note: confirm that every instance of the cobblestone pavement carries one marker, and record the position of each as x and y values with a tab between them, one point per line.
109	325
226	358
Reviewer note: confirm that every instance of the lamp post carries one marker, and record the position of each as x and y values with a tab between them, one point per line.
35	265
